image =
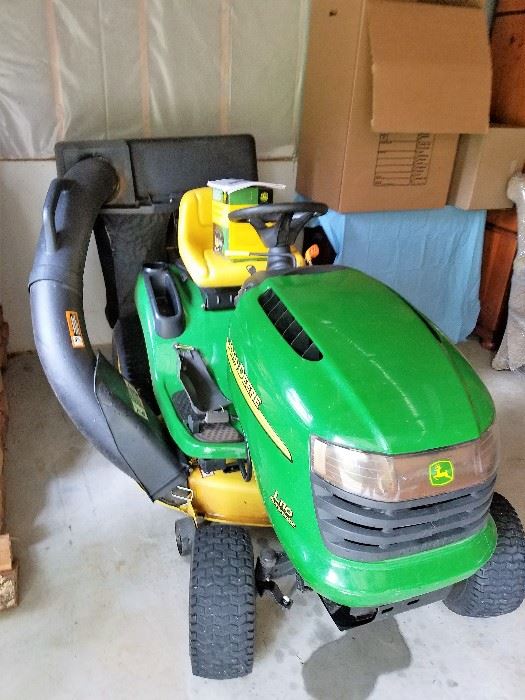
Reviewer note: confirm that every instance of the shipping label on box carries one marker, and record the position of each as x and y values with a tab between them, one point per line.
403	159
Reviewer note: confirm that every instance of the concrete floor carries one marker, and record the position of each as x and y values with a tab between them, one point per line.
104	593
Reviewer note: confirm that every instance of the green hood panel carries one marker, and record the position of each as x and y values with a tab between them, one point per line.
387	382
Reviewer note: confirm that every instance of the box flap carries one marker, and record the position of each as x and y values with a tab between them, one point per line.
431	68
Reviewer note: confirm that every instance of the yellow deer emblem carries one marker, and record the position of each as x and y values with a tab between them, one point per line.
441	472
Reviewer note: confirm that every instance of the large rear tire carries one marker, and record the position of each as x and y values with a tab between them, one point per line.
222	602
498	587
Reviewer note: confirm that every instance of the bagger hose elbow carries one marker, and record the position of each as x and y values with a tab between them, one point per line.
56	294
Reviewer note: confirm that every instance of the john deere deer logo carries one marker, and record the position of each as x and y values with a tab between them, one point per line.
441	472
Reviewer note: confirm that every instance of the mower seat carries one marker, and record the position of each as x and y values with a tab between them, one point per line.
207	268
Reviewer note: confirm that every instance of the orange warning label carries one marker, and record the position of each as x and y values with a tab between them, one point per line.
75	330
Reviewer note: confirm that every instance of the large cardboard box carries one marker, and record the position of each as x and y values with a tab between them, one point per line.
484	164
388	88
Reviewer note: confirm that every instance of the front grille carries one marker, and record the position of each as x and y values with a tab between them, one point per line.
364	530
288	327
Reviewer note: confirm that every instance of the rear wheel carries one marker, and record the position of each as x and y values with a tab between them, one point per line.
222	602
499	586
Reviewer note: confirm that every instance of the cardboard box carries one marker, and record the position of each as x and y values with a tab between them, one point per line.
484	164
388	88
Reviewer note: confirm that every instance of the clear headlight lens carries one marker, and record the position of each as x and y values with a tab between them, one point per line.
404	477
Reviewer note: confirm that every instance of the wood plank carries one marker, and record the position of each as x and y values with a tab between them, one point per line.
499	250
6	554
2	493
508	76
9	588
2	504
503	218
3	416
5	542
4	335
505	6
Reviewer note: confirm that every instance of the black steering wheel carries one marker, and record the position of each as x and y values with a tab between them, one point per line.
278	225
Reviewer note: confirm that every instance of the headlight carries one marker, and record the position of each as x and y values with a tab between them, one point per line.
404	477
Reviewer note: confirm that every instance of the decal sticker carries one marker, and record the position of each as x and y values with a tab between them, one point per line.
441	472
75	330
136	401
283	509
252	398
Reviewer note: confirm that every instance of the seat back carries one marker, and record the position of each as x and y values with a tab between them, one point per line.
207	268
196	232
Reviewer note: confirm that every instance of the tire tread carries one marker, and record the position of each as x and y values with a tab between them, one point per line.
222	602
498	587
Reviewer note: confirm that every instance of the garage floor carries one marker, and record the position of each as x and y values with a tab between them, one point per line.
104	593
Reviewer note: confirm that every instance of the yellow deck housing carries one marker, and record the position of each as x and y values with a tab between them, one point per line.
227	498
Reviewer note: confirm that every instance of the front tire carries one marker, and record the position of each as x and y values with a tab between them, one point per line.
498	587
222	602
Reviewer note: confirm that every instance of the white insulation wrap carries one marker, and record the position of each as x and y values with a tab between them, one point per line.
511	354
92	69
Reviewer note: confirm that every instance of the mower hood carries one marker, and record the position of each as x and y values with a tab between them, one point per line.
336	355
339	355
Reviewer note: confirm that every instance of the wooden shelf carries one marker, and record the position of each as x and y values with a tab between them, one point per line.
8	566
499	250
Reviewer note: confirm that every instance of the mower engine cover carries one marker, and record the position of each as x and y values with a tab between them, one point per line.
375	434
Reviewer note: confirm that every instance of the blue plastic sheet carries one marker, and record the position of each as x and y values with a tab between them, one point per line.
432	257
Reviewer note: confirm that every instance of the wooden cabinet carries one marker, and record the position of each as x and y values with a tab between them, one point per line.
508	58
499	250
508	107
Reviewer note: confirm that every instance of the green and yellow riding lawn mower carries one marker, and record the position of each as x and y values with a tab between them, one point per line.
254	391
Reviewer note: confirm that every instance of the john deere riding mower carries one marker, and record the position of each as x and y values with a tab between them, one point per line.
248	389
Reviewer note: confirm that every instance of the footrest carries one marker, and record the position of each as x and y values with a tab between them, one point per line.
196	423
203	393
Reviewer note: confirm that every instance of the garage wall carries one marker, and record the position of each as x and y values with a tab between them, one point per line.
91	69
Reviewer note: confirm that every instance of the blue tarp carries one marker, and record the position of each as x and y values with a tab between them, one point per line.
432	257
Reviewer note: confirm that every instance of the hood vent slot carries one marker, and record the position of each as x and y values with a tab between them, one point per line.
288	327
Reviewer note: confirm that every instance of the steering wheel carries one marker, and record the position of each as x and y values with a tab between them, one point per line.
278	225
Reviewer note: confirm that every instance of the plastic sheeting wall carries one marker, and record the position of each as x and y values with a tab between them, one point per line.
89	69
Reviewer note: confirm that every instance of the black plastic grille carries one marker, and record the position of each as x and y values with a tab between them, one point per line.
288	327
365	530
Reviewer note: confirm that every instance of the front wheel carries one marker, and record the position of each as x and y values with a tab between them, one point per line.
499	586
222	602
